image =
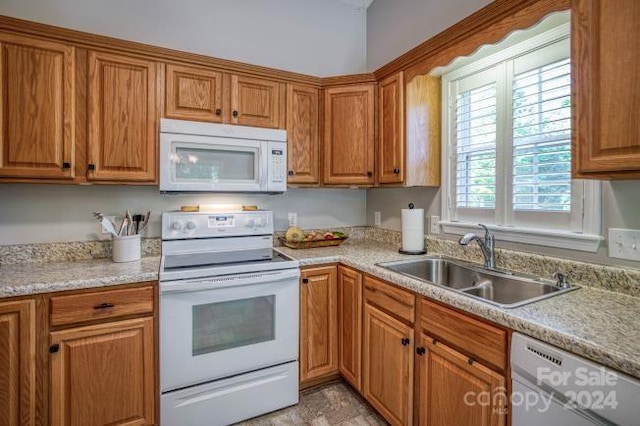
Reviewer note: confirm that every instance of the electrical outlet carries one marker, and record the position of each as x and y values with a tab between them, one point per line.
293	219
434	225
103	231
624	243
377	218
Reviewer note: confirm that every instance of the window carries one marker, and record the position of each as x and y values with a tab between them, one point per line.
507	156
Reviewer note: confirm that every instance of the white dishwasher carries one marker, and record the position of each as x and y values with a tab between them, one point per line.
554	387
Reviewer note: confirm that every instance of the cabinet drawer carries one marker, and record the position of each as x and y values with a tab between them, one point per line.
474	337
397	302
75	308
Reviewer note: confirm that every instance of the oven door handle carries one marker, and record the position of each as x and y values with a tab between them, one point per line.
213	283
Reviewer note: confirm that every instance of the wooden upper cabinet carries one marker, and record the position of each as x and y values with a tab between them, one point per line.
605	58
255	102
456	390
350	325
17	363
193	93
318	323
302	134
349	117
391	129
36	108
104	374
388	366
122	118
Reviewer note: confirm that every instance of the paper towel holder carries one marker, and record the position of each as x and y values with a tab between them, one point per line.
412	252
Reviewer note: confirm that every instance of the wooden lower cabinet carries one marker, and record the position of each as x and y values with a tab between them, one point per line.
350	325
457	390
318	323
388	366
104	374
17	363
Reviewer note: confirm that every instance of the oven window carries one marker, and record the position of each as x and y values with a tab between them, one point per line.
226	325
214	165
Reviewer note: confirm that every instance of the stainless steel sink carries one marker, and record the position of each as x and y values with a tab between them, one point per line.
503	288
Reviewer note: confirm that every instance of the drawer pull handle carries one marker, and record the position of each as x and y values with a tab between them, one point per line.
104	306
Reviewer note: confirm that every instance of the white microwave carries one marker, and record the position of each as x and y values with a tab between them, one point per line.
210	157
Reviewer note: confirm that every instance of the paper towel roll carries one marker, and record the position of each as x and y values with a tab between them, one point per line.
412	230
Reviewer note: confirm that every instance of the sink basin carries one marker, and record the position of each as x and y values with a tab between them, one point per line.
503	288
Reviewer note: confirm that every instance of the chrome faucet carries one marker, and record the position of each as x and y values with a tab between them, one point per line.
487	245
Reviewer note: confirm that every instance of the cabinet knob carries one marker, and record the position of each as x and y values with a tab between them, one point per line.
54	348
66	165
235	113
369	174
396	171
470	361
305	280
104	306
218	111
291	173
434	341
405	341
91	167
420	351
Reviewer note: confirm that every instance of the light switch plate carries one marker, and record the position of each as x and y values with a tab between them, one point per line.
624	243
434	225
377	219
293	219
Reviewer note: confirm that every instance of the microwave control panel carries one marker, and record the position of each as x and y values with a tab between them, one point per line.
278	166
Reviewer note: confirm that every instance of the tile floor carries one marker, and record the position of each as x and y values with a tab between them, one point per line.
332	404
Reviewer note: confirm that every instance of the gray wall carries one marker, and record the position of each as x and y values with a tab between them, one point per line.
318	37
620	209
396	26
48	213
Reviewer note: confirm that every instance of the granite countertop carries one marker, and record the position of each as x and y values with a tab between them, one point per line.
33	278
597	324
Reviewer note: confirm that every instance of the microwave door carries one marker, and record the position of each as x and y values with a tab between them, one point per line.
204	163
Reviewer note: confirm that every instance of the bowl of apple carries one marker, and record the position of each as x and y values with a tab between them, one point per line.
296	238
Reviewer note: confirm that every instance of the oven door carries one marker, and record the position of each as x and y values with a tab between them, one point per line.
221	326
212	163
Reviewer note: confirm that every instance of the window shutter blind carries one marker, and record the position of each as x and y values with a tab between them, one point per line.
542	138
475	151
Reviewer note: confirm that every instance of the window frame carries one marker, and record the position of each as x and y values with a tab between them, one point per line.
584	229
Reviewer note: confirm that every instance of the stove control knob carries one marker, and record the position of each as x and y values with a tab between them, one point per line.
177	225
250	223
191	225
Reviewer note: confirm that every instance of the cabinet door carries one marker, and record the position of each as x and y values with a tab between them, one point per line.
318	323
17	363
391	129
350	325
302	134
103	374
605	57
456	390
255	102
36	108
388	366
122	114
349	135
193	94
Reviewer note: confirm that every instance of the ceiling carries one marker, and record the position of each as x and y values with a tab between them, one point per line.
360	4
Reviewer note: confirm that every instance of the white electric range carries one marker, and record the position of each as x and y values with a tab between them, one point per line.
229	319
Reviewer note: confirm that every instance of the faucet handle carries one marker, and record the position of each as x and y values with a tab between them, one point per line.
561	279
